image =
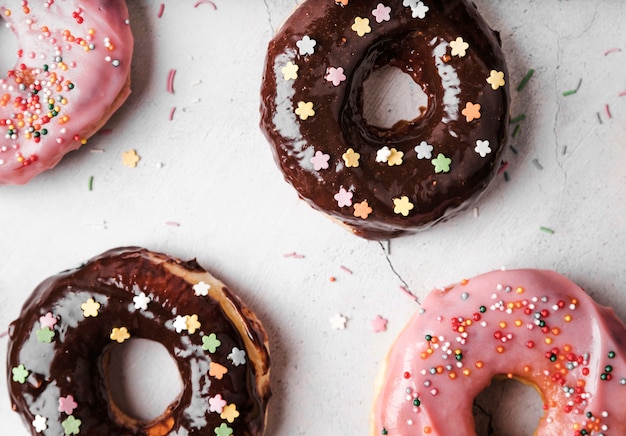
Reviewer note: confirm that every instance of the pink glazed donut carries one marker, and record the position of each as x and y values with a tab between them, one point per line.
534	326
72	73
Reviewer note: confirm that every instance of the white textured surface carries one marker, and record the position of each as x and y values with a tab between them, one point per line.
238	217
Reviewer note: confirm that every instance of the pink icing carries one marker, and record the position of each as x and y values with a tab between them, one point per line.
536	326
71	74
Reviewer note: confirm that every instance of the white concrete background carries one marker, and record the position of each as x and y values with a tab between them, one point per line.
239	218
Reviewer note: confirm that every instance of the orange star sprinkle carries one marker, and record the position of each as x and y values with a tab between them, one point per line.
342	2
395	158
351	158
192	324
471	111
130	158
119	334
229	413
362	210
216	370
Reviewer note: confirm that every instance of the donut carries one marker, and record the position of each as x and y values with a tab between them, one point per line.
59	347
534	326
72	72
384	182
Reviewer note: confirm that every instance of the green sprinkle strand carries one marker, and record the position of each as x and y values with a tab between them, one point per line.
516	130
547	230
91	183
517	119
525	80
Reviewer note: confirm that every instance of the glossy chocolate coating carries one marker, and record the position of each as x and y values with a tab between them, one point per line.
74	362
420	48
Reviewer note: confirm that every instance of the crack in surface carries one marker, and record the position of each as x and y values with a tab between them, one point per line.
269	16
384	245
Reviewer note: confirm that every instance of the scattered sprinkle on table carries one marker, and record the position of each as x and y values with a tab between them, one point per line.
91	183
170	81
525	80
130	158
294	255
172	111
161	9
206	2
517	119
338	321
537	164
547	230
573	91
379	324
346	269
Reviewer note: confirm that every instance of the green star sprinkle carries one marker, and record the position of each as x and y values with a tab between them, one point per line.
20	374
45	335
441	163
223	430
210	343
71	425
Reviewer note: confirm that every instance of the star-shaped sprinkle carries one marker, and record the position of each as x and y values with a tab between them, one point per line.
395	157
216	370
482	148
119	334
418	8
320	161
201	289
290	71
180	323
40	423
223	430
351	158
48	320
237	356
362	210
379	324
305	110
20	374
193	324
361	26
382	155
216	404
45	335
335	75
230	413
459	47
141	301
382	13
402	206
342	2
306	45
424	150
441	163
210	343
471	111
67	404
71	425
496	79
343	197
130	158
338	321
90	308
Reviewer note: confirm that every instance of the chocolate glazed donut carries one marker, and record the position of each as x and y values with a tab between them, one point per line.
59	347
383	182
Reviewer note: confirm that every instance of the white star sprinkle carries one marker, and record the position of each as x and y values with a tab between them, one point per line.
383	154
424	150
180	323
141	301
338	321
482	148
201	289
419	8
237	356
40	423
306	45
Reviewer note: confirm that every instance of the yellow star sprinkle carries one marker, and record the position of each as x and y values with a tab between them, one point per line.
216	370
496	79
305	110
229	413
130	158
471	111
290	71
402	206
459	47
361	26
192	324
119	334
90	308
351	158
395	157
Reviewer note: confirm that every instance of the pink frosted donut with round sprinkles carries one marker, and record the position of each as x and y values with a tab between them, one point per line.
72	72
531	325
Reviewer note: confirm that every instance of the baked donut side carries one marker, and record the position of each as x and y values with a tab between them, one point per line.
532	325
71	74
382	182
58	349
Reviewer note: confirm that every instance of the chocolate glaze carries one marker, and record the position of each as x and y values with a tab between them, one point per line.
74	362
420	48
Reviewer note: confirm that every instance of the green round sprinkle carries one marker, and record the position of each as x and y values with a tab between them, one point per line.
417	402
611	354
603	377
608	368
482	309
429	338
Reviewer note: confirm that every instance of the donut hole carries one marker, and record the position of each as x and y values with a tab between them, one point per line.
390	96
142	378
507	407
8	53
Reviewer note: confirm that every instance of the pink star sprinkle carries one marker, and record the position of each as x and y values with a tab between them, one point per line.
216	404
67	404
335	75
344	198
379	324
320	161
48	320
382	13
